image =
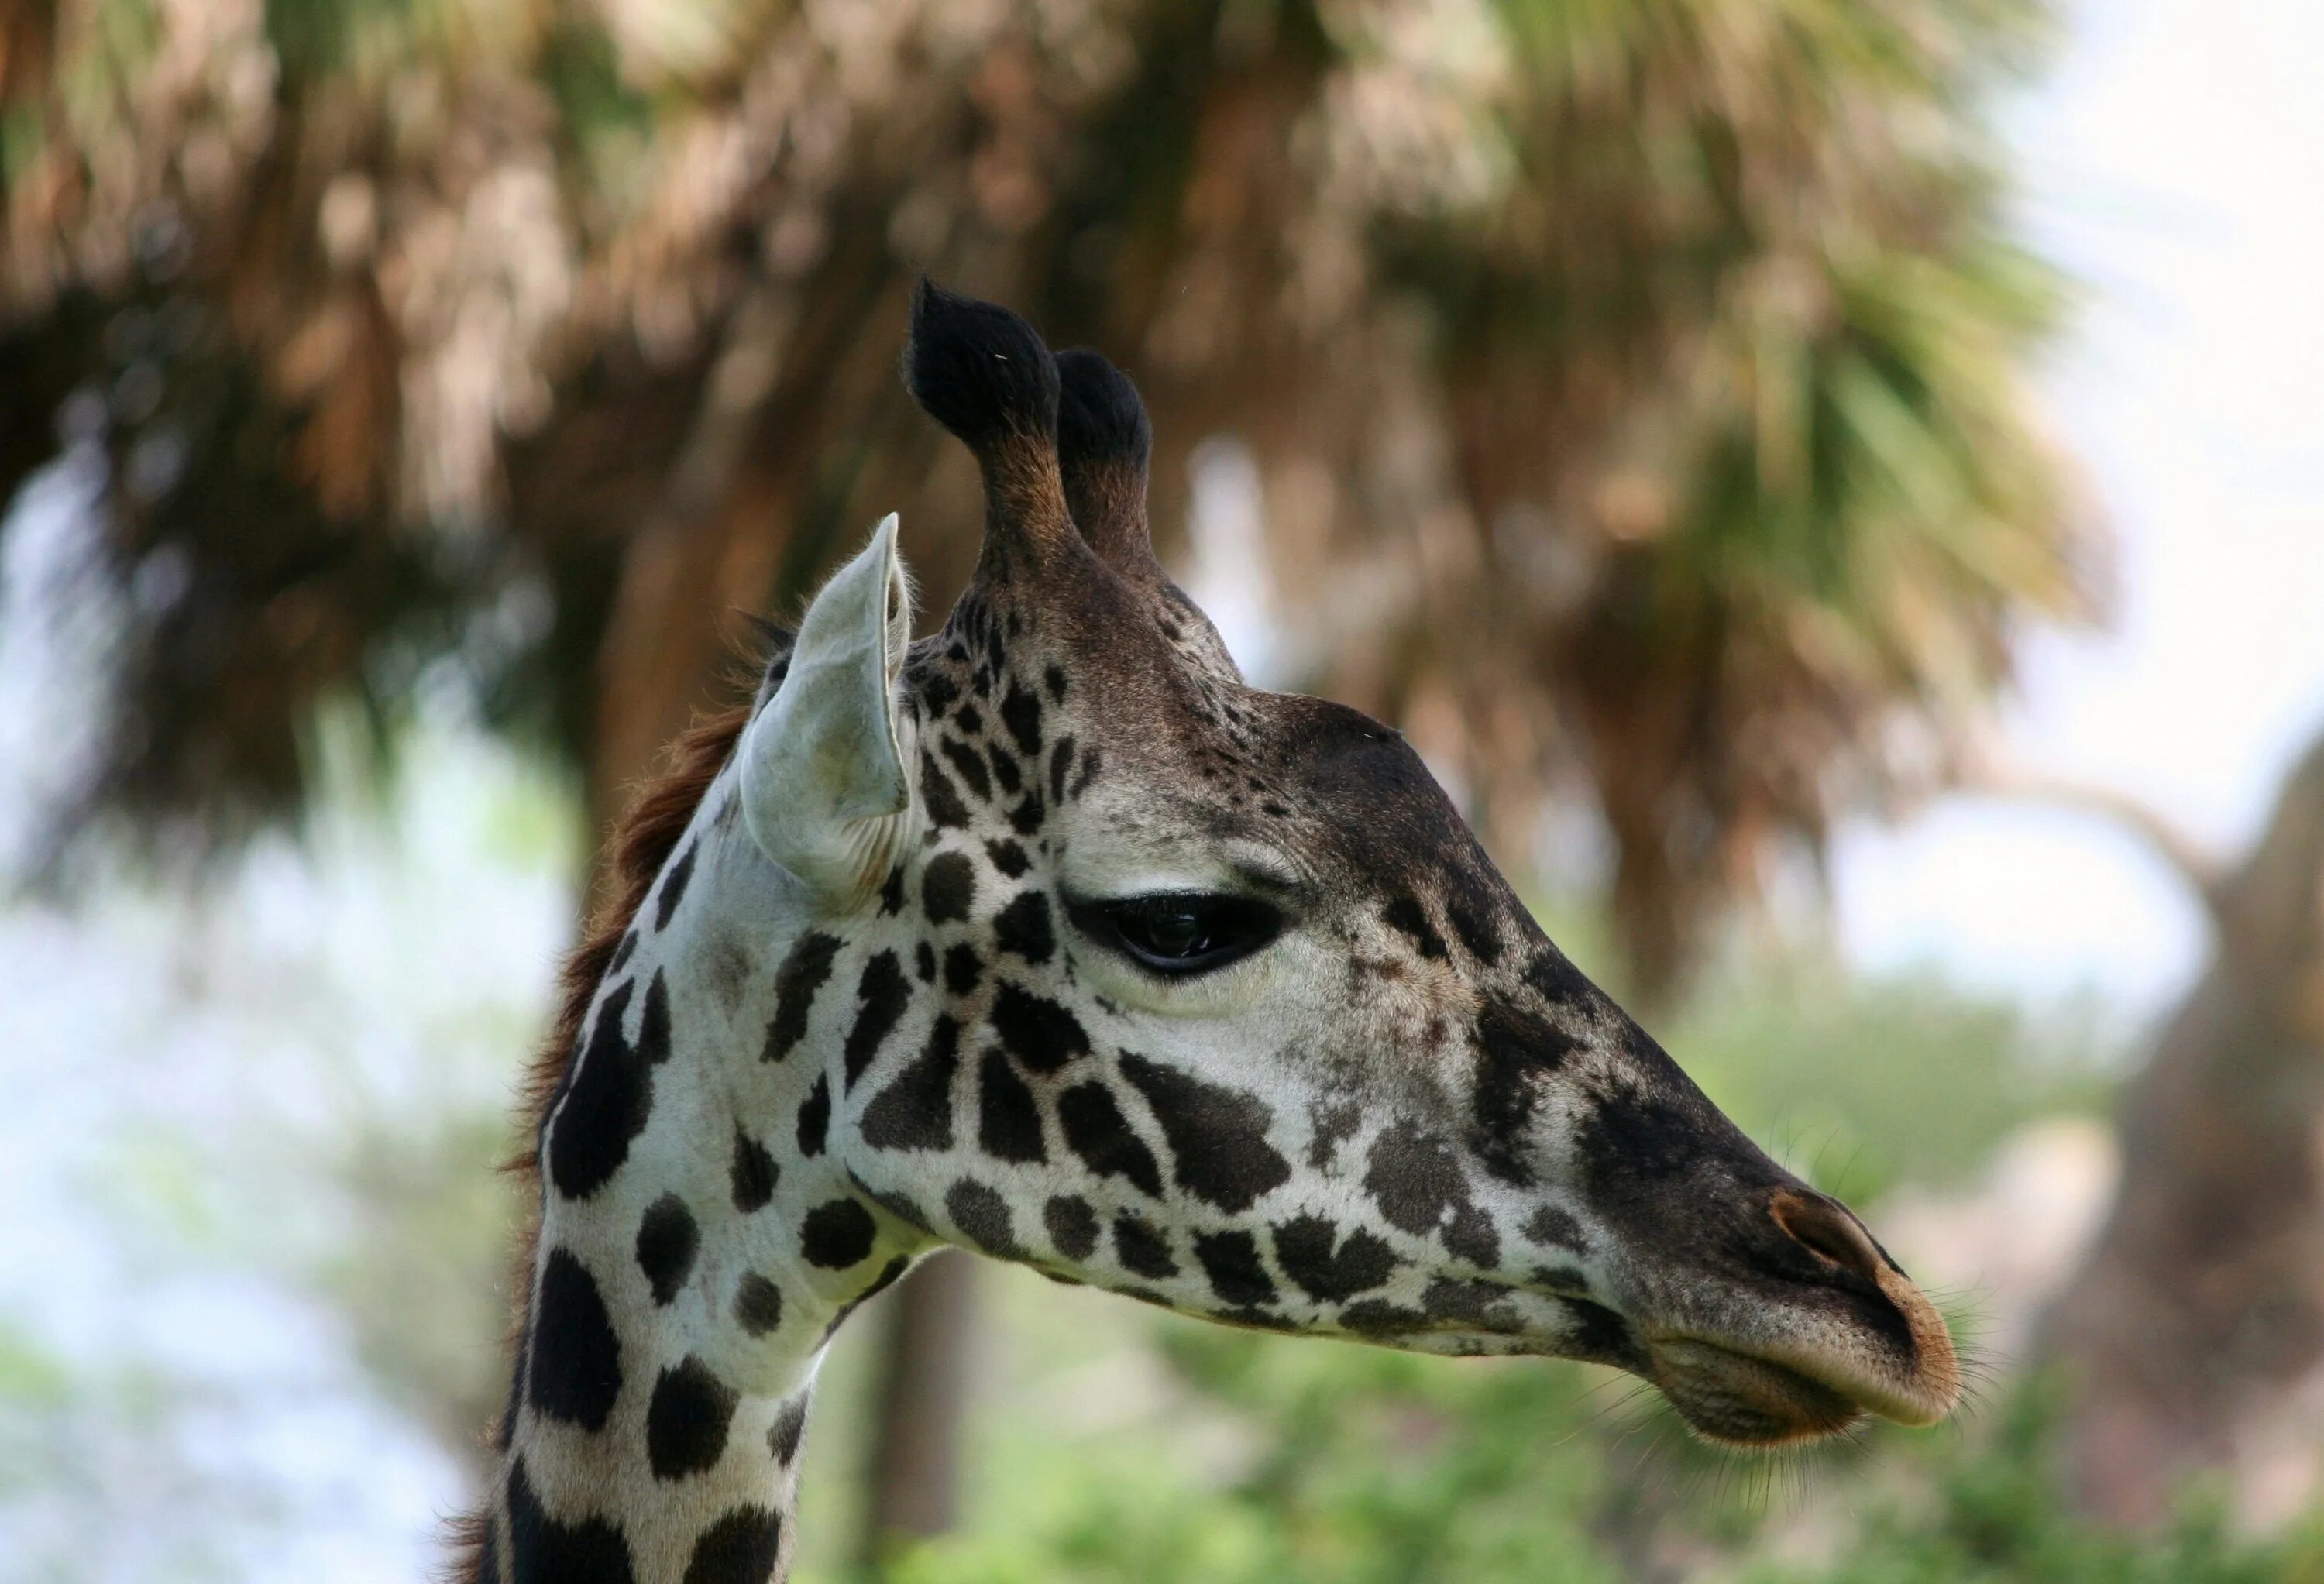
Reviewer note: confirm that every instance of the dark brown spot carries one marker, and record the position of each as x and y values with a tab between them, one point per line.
1073	1226
970	765
1008	1123
880	996
1096	1130
1142	1250
543	1550
838	1234
1329	1274
805	968
1038	1032
915	1110
1416	1182
575	1359
815	1118
1230	1259
1405	914
783	1436
673	884
741	1548
1023	927
982	1217
758	1304
1217	1136
686	1420
667	1240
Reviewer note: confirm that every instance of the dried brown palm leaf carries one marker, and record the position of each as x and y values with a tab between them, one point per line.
1636	386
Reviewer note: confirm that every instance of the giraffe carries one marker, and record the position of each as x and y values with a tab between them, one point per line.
1048	937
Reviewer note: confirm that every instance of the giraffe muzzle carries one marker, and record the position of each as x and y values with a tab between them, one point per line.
1827	1328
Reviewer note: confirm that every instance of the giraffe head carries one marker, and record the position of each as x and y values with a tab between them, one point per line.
1206	995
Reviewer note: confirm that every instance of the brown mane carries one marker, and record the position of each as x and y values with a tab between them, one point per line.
641	844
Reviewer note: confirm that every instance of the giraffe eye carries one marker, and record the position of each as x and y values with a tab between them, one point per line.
1184	933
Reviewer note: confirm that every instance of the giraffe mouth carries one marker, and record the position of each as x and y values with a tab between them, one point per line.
1748	1399
1813	1327
1813	1378
1785	1389
1735	1399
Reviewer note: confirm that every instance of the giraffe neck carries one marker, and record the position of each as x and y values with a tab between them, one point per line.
691	1265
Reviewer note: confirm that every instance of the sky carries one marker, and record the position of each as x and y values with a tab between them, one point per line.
2174	163
201	1094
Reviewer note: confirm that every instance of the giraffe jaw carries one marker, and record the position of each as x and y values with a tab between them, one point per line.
1817	1381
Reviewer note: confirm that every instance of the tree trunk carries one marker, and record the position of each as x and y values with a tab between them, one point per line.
2202	1303
912	1475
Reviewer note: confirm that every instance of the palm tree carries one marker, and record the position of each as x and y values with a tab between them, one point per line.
1636	388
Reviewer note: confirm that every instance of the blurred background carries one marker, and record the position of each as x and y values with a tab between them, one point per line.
1833	488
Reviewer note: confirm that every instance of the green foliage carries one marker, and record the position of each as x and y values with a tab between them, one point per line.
1296	1461
31	1376
1371	1468
608	122
1995	1519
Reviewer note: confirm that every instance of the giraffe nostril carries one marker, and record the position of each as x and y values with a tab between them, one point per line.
1825	1228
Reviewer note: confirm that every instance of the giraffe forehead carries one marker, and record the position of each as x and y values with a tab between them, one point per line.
1051	748
1341	800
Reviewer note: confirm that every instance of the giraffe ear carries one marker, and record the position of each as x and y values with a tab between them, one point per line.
823	788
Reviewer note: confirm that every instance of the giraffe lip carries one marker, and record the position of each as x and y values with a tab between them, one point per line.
1778	1393
1742	1400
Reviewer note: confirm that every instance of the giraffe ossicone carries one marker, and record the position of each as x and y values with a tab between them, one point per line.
1048	937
